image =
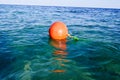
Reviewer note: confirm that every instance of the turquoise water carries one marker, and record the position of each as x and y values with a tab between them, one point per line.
27	52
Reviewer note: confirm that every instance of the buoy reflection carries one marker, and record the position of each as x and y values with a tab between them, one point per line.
59	54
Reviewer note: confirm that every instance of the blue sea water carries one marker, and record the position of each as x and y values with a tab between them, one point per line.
27	52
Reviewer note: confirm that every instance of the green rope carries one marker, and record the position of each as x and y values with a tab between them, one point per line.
74	37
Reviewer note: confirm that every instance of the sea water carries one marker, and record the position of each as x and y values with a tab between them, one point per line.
27	52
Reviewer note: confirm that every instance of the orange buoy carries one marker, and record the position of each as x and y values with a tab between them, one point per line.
58	30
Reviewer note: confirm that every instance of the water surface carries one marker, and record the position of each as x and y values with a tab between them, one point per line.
27	53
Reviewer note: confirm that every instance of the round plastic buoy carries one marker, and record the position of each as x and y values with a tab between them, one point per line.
58	30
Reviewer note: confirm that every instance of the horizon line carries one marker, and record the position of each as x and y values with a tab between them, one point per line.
59	6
